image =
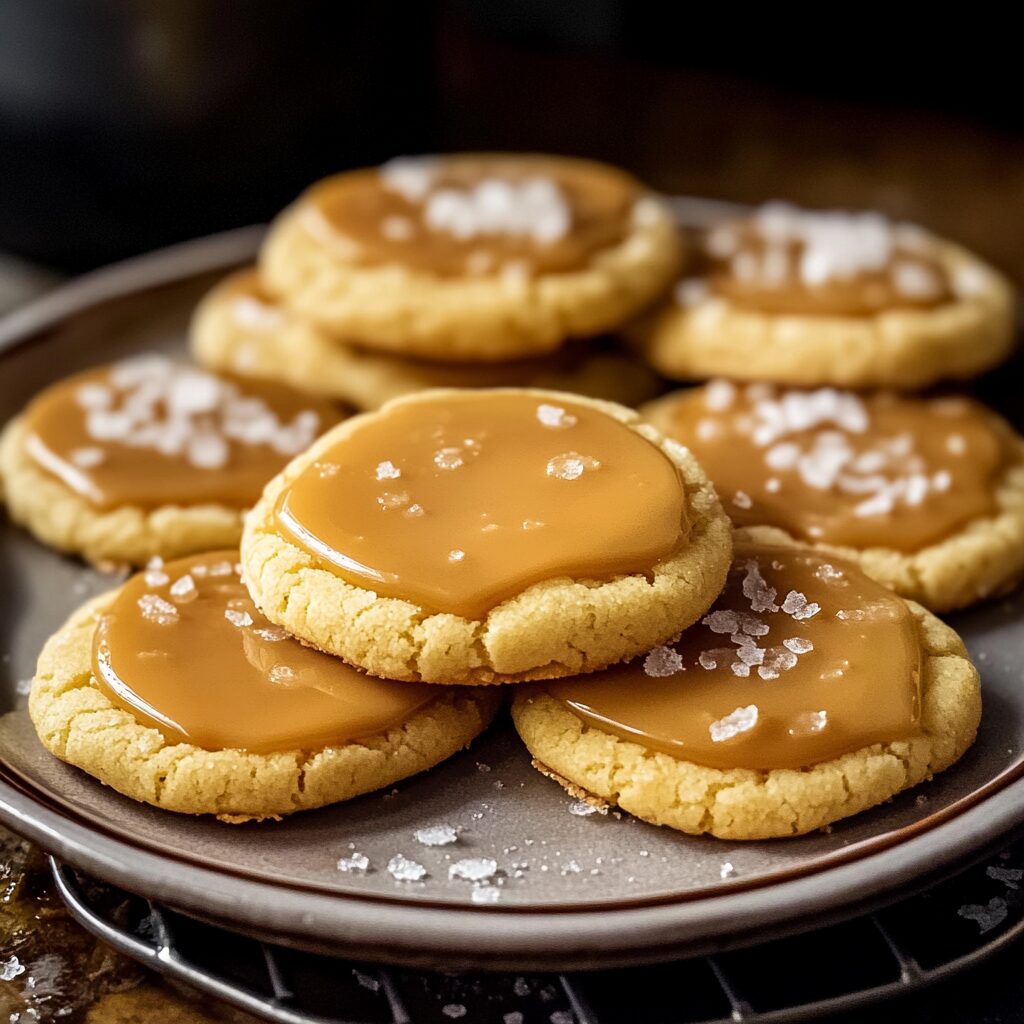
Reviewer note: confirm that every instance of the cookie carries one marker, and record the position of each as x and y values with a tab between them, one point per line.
927	495
808	693
472	257
148	457
811	299
234	718
487	537
239	329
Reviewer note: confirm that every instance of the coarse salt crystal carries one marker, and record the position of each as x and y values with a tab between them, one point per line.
555	417
733	724
756	589
437	835
571	465
663	661
449	458
798	645
271	633
237	618
473	869
456	555
183	588
486	894
742	500
797	605
402	869
282	674
155	609
726	870
355	863
386	470
391	500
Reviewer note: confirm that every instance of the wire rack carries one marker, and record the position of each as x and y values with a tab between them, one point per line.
922	939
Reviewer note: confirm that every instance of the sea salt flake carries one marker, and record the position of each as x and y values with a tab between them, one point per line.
798	645
456	555
271	633
733	724
449	458
10	969
354	863
797	605
282	674
155	609
156	577
414	511
1008	876
809	722
391	500
756	589
454	1010
237	618
473	869
571	465
555	417
663	661
513	1017
437	835
722	621
742	500
987	916
183	588
386	470
562	1017
582	809
404	870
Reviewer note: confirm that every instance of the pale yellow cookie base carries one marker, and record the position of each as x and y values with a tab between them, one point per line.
745	804
395	309
293	351
983	559
897	348
77	723
555	628
61	519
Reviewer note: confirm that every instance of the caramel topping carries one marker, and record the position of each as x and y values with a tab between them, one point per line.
860	470
151	432
799	661
458	501
476	215
789	261
184	649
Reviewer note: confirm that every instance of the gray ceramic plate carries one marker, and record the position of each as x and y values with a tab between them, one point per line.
570	890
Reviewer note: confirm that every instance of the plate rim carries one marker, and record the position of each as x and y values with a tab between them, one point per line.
475	936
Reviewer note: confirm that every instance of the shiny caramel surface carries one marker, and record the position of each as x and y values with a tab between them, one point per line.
460	500
800	660
479	215
184	649
150	432
783	260
874	470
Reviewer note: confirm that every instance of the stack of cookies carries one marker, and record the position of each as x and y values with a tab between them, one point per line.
458	271
716	614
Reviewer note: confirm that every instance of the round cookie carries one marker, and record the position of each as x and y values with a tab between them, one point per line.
831	298
122	476
600	763
86	724
926	495
555	622
472	257
239	329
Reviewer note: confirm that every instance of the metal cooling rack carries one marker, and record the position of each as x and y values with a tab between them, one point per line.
922	939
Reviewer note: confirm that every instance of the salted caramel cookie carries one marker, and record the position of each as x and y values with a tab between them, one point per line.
177	692
472	257
812	298
239	329
808	693
487	537
150	457
927	495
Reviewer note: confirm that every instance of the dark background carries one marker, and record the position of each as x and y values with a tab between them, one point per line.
128	125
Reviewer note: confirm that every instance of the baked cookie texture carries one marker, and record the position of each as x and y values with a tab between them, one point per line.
746	804
58	517
982	560
901	348
393	308
77	723
554	628
287	347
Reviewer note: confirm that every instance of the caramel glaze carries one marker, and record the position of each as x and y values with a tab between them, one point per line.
956	446
205	667
355	206
109	472
458	501
855	681
862	295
